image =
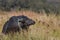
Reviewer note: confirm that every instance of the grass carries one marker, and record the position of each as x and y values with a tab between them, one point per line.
46	27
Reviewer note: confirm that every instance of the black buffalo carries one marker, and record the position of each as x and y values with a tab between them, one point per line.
16	23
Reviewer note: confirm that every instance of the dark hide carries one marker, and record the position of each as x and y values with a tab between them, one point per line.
16	23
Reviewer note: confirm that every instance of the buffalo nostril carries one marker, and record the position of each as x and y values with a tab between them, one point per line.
34	22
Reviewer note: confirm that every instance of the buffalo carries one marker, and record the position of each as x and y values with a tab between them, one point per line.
17	23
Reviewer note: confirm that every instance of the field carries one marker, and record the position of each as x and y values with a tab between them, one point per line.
46	27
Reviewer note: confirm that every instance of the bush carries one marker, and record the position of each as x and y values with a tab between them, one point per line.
35	5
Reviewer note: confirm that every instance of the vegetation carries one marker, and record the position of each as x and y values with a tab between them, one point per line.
46	27
34	5
46	15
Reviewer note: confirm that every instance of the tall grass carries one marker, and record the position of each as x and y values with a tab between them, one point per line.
46	27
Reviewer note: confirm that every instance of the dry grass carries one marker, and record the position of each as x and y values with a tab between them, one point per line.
46	27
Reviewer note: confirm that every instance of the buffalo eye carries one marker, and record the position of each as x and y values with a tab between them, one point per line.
19	21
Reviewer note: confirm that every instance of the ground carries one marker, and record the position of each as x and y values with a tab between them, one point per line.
46	27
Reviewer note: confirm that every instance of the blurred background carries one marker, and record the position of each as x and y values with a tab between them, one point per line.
34	5
46	14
